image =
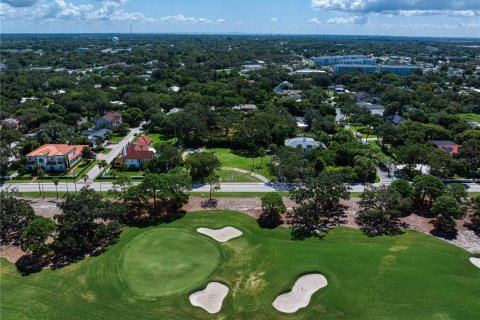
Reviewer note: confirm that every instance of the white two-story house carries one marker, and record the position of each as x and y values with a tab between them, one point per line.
55	157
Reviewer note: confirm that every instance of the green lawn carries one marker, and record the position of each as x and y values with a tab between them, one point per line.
412	276
235	176
106	150
160	138
230	160
470	117
115	139
79	169
379	152
361	130
153	258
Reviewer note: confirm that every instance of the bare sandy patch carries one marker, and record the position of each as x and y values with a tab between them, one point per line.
475	261
210	299
221	235
11	253
302	291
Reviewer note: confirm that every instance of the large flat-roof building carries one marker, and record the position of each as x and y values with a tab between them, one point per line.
400	70
344	59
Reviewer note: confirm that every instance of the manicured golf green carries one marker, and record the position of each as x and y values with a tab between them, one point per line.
163	262
412	276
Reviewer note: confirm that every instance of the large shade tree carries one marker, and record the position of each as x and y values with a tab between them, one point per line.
319	204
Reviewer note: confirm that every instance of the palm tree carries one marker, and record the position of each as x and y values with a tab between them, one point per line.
38	173
55	182
102	164
85	179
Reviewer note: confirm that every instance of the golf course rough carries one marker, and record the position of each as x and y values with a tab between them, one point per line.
165	262
409	276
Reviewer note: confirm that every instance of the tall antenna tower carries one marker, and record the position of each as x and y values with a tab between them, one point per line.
131	28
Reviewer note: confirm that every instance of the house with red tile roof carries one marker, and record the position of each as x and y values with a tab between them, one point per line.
446	145
137	154
55	157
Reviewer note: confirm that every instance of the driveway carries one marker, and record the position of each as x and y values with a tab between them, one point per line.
116	149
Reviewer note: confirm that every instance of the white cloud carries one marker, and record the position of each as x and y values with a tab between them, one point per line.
403	7
274	20
180	18
42	11
314	21
348	20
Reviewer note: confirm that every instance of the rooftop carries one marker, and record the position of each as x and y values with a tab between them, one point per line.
52	150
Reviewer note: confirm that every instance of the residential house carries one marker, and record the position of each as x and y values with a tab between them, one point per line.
109	121
55	157
174	110
10	123
395	119
248	68
375	109
306	144
245	107
474	124
446	145
307	71
137	154
93	135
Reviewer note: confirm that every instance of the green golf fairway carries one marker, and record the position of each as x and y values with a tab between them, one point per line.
164	262
411	276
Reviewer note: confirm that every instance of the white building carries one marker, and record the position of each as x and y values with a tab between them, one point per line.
55	157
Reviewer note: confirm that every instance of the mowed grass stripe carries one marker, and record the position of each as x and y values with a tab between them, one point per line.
411	276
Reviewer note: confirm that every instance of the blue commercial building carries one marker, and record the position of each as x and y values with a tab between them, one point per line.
365	68
399	70
345	59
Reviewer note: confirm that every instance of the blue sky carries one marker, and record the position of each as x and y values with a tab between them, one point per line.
361	17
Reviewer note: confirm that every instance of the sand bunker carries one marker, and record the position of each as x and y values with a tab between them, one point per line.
475	261
301	292
221	235
211	298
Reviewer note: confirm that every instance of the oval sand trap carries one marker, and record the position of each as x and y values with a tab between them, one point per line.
475	261
221	235
301	293
211	298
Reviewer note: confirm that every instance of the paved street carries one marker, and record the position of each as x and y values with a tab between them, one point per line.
117	148
225	187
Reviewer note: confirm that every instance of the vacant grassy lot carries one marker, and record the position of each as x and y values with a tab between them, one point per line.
412	276
470	117
235	176
229	159
160	138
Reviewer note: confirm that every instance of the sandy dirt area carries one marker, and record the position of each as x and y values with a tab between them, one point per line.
210	299
475	261
221	235
299	296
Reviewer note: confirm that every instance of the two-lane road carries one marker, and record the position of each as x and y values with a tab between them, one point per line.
225	187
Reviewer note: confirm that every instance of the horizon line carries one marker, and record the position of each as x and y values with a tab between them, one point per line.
240	34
